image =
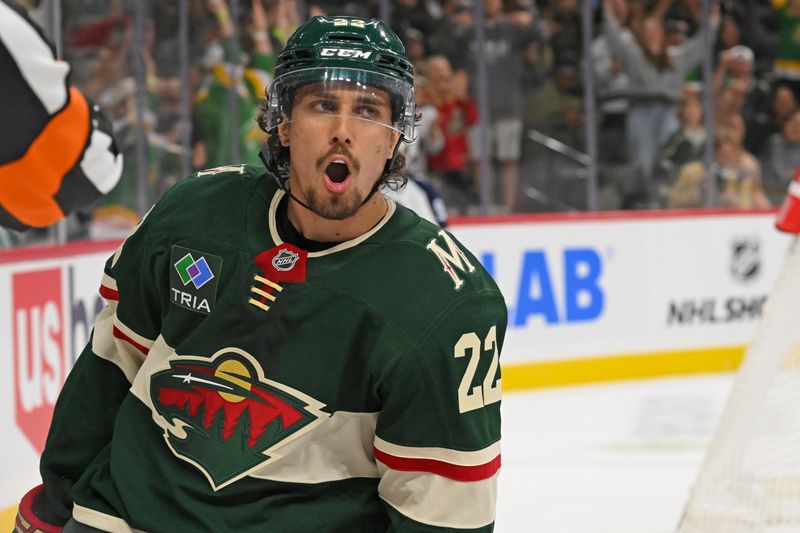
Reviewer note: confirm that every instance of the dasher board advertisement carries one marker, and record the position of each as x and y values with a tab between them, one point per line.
603	285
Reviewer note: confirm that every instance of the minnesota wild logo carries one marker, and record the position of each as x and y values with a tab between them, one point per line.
224	417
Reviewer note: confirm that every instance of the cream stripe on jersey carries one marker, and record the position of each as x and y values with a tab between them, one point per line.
105	345
340	447
102	521
159	351
455	457
109	282
439	501
34	59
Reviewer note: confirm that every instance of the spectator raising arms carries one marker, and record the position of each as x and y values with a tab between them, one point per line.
657	73
212	101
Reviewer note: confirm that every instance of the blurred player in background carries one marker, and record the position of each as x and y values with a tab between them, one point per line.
57	152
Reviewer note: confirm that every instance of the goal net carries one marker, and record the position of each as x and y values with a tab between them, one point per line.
750	479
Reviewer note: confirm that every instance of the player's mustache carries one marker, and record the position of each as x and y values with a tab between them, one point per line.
340	149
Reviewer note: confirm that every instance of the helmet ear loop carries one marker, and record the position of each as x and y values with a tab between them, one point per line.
277	170
278	175
387	168
390	162
403	139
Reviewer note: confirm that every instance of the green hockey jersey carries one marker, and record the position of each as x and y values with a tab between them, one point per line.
235	382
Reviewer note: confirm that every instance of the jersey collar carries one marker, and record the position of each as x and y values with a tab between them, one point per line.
276	238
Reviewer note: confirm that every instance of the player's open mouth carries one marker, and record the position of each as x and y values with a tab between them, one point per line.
337	175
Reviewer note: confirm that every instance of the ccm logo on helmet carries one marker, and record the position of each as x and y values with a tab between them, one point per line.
345	52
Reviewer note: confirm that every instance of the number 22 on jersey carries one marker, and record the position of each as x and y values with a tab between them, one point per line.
469	397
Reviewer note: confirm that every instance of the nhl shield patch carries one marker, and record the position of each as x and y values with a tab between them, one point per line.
284	262
193	279
224	417
745	259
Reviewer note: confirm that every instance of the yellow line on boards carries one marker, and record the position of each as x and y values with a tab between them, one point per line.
7	517
545	374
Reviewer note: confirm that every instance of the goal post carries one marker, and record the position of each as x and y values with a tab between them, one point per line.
750	479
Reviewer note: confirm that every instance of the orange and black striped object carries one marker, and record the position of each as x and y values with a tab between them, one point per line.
57	150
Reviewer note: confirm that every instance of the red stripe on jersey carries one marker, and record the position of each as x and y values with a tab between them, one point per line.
108	293
440	468
120	335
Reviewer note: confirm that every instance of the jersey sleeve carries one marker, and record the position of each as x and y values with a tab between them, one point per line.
84	414
437	442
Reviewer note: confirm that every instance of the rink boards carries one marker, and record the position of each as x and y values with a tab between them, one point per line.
602	297
590	298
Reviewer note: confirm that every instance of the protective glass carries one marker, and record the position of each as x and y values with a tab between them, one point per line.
321	93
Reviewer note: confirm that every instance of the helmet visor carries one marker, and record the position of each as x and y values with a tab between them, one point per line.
371	98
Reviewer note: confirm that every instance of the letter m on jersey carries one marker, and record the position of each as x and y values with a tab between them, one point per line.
453	258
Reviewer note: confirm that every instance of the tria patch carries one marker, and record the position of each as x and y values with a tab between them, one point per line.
222	415
193	279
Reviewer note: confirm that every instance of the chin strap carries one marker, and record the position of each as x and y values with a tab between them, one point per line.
279	177
386	169
282	180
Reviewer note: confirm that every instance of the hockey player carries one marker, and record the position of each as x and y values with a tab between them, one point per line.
288	350
57	152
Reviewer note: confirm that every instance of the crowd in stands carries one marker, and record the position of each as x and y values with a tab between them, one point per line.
646	59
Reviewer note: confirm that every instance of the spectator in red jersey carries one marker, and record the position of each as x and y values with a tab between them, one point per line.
457	112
